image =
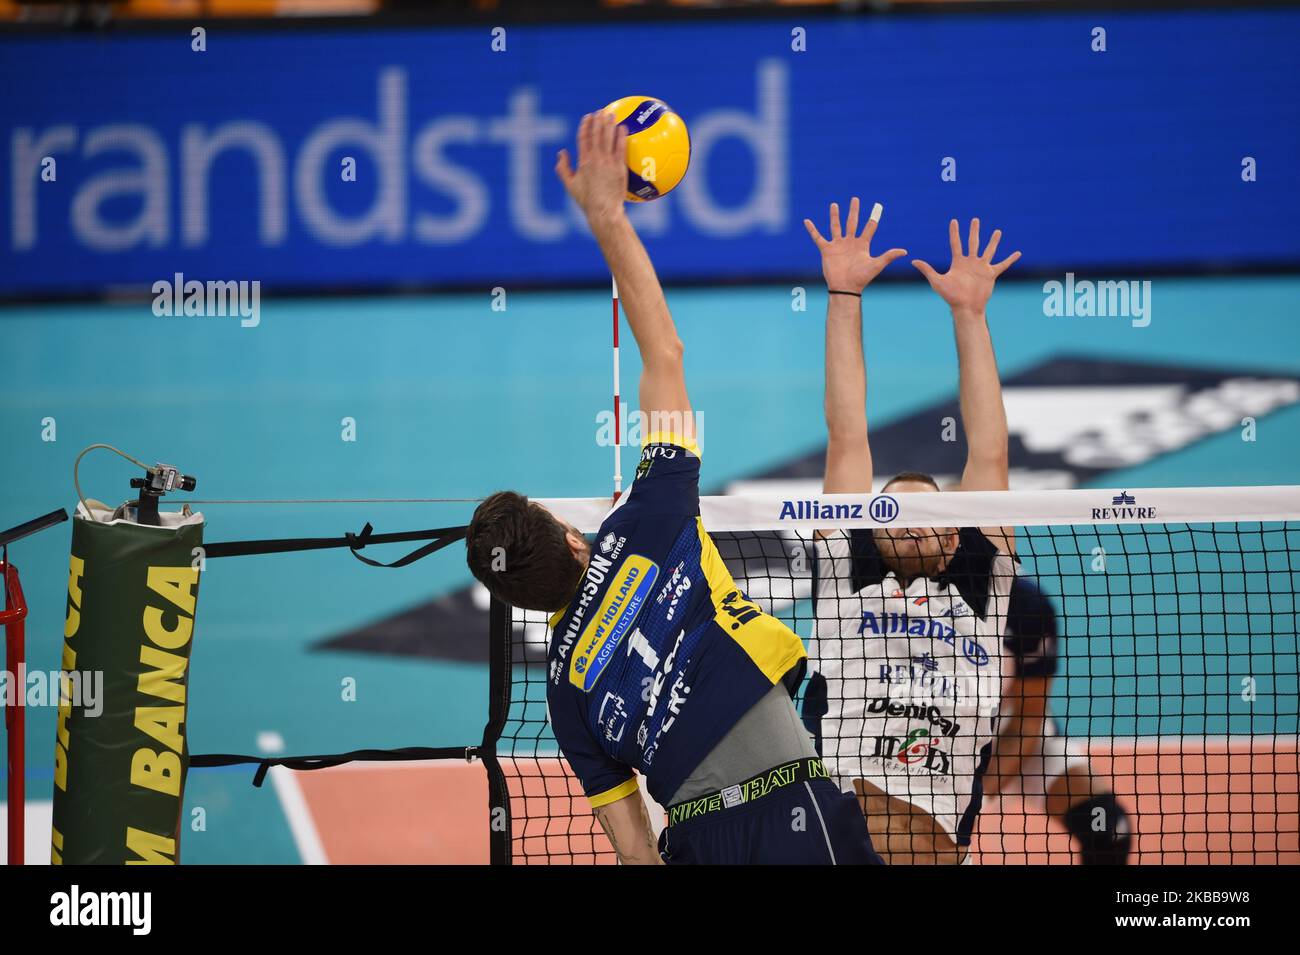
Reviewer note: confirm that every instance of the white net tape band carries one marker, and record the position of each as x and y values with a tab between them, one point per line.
1171	505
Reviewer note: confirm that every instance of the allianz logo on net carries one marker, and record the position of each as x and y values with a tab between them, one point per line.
882	509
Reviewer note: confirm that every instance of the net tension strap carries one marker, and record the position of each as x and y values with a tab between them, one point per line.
438	538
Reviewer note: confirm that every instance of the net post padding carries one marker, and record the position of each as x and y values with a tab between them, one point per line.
119	775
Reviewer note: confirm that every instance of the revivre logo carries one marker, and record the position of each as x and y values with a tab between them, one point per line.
1123	506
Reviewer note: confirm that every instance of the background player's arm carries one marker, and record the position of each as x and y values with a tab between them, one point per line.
627	824
966	287
598	186
1020	729
847	265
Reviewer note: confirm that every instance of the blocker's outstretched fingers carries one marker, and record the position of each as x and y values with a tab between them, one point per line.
814	234
926	269
873	221
851	227
835	222
954	239
974	238
994	239
1010	260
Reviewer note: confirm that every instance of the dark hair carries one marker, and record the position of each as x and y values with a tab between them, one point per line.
920	476
518	551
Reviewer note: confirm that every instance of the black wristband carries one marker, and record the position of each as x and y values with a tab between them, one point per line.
837	292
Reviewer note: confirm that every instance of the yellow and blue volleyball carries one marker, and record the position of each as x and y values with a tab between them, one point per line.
658	146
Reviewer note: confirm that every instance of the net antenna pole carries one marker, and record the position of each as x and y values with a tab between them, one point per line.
13	614
618	429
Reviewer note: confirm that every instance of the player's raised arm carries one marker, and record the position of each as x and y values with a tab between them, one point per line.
598	186
966	287
848	267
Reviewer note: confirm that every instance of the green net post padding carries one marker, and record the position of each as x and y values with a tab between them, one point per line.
120	753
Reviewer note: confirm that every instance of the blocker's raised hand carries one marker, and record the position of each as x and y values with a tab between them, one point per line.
847	262
968	283
600	183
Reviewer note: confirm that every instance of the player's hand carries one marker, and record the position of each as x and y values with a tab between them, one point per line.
847	262
968	283
600	183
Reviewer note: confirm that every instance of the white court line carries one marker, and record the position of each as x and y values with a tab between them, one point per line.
296	811
38	820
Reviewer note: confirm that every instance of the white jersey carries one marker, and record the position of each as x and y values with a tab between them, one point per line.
909	680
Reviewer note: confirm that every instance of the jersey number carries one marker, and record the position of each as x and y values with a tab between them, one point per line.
640	645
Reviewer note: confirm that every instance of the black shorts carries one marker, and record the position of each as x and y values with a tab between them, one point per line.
805	823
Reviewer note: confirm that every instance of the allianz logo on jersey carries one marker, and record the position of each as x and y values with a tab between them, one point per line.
882	509
1123	506
891	623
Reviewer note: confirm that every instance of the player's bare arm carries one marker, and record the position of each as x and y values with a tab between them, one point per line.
627	824
967	287
598	187
847	266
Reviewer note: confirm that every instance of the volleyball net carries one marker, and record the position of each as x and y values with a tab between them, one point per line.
1159	624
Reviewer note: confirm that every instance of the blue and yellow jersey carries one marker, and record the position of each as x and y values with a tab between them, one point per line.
659	653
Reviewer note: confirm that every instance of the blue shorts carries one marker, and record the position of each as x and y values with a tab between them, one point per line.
806	823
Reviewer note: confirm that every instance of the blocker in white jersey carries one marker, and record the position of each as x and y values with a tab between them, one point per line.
907	679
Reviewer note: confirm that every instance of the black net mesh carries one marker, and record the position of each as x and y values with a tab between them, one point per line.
1145	705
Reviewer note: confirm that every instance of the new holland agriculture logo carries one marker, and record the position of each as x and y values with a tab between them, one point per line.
628	591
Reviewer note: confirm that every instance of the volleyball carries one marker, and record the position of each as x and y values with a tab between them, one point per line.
658	146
